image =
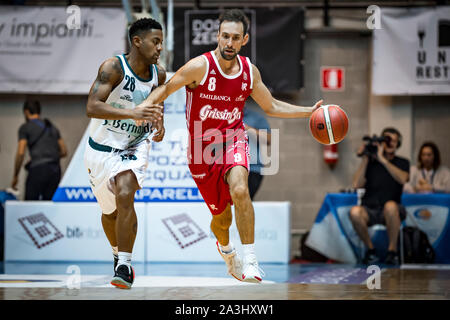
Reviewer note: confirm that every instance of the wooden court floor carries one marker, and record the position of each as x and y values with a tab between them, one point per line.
395	284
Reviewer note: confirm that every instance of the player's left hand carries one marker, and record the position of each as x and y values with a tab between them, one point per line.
316	106
158	136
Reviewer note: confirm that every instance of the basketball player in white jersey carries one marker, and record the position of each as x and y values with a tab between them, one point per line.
217	84
117	152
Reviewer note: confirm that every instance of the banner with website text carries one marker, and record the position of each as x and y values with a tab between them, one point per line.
411	52
57	49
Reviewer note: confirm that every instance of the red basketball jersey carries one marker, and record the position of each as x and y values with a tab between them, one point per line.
218	101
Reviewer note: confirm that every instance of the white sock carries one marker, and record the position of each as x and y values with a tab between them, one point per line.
124	258
226	249
249	249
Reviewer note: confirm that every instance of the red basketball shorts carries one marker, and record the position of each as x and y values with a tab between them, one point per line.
209	164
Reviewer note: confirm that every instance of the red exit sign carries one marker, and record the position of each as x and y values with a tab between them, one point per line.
332	78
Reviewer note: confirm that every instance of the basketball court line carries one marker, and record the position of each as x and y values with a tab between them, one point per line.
102	281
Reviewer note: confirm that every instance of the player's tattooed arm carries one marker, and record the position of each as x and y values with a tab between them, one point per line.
274	107
110	74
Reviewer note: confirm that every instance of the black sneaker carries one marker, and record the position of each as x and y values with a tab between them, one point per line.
371	257
123	277
392	258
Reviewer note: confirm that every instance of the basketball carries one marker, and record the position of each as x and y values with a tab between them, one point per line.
328	124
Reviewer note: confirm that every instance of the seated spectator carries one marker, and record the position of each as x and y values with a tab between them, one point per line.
382	174
428	175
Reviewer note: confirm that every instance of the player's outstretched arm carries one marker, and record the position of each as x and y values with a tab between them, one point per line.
274	107
190	74
110	75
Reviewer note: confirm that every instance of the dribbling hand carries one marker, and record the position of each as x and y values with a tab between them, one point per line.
160	131
316	106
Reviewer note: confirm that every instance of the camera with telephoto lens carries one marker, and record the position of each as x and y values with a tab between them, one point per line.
371	149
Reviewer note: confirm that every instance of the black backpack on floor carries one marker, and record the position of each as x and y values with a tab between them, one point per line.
308	253
416	247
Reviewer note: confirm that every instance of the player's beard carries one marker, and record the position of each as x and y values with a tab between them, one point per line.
227	56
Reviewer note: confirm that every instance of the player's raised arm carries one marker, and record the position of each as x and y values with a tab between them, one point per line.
274	107
110	74
191	74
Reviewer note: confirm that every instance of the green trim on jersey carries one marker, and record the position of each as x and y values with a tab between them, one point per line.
101	147
121	64
140	79
157	74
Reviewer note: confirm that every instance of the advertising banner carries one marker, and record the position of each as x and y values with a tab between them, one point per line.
411	52
182	232
57	50
47	231
275	42
167	232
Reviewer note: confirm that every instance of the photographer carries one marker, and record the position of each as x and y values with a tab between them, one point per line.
382	174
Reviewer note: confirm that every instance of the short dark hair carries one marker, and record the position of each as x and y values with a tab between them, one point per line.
33	106
394	131
436	153
143	25
235	15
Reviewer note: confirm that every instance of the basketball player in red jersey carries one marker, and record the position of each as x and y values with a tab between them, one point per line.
217	85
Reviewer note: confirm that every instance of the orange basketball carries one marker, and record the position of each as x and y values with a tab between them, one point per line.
329	124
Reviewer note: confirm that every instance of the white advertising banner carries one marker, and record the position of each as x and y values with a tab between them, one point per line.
167	232
47	231
182	233
167	178
57	49
411	52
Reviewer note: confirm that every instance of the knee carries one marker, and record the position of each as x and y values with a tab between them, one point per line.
239	191
391	208
355	214
222	221
125	198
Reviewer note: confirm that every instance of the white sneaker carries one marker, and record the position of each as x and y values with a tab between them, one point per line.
233	262
251	270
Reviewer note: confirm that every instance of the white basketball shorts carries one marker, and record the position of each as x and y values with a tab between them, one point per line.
104	163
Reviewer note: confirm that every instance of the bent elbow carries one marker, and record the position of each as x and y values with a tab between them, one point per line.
89	111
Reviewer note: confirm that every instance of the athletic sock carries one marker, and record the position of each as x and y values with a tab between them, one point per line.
249	249
226	249
124	258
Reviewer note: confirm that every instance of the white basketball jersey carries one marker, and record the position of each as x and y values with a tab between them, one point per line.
121	134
